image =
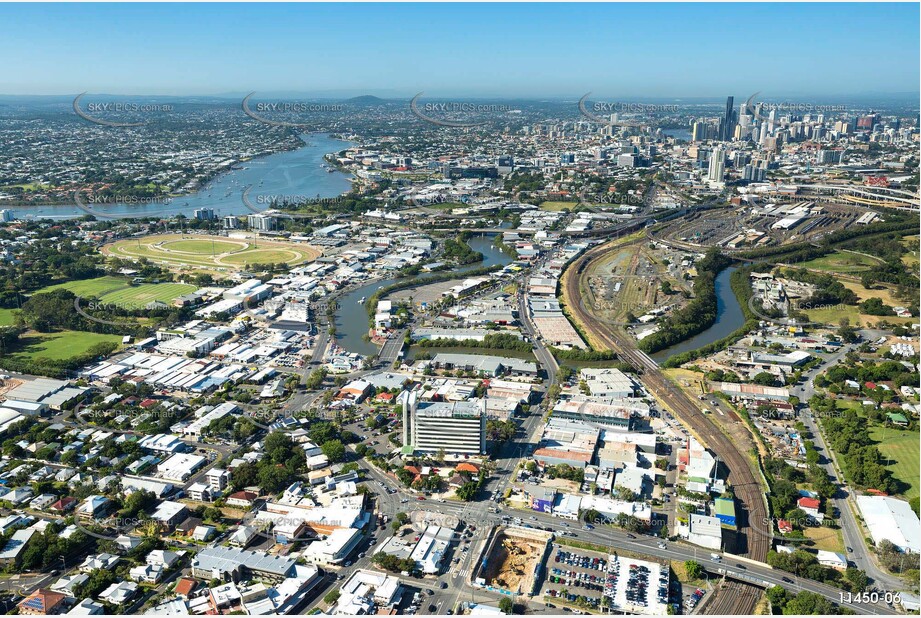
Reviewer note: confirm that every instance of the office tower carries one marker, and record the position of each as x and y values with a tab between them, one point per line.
230	222
828	157
457	427
753	173
204	214
7	215
716	171
727	125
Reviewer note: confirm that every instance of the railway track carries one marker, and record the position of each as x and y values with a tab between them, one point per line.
733	598
748	492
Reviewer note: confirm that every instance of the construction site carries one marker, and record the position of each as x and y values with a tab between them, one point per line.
512	558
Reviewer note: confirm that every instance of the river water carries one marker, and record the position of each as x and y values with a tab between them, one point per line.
352	317
729	317
294	174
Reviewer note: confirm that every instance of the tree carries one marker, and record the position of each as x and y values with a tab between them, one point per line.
765	379
693	569
857	579
847	332
467	491
278	446
334	450
332	596
506	605
806	602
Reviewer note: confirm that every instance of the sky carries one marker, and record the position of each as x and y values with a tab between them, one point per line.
477	50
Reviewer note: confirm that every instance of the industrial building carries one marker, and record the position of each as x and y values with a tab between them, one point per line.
891	520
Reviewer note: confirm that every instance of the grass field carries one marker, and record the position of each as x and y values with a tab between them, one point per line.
181	251
829	539
119	291
203	247
557	206
842	262
59	346
834	314
96	288
6	317
902	447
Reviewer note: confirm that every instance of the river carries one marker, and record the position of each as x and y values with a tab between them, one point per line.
293	174
352	316
729	317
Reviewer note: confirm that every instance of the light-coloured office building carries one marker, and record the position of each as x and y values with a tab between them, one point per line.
458	427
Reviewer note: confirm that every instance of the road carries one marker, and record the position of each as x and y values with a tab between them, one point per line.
844	502
477	514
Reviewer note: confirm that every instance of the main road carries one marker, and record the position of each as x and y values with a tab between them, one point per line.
481	517
857	550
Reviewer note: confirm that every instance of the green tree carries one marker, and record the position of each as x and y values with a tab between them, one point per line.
334	451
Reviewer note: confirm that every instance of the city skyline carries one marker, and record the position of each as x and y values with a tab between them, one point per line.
649	50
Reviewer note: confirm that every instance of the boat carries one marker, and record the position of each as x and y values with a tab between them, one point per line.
361	300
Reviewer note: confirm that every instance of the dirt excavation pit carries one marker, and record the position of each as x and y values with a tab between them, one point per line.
512	563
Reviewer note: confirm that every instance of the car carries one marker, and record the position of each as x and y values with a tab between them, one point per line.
348	563
444	585
787	579
432	607
421	498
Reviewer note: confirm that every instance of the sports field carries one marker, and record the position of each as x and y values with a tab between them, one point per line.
119	291
901	448
59	346
215	253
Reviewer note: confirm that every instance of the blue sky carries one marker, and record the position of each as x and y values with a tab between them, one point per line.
502	50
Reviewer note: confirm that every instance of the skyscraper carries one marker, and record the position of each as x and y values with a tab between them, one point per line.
717	167
727	126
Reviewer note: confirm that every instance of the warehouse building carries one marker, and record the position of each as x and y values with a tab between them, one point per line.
891	520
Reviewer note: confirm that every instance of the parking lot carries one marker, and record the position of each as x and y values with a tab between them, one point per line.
580	578
575	577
